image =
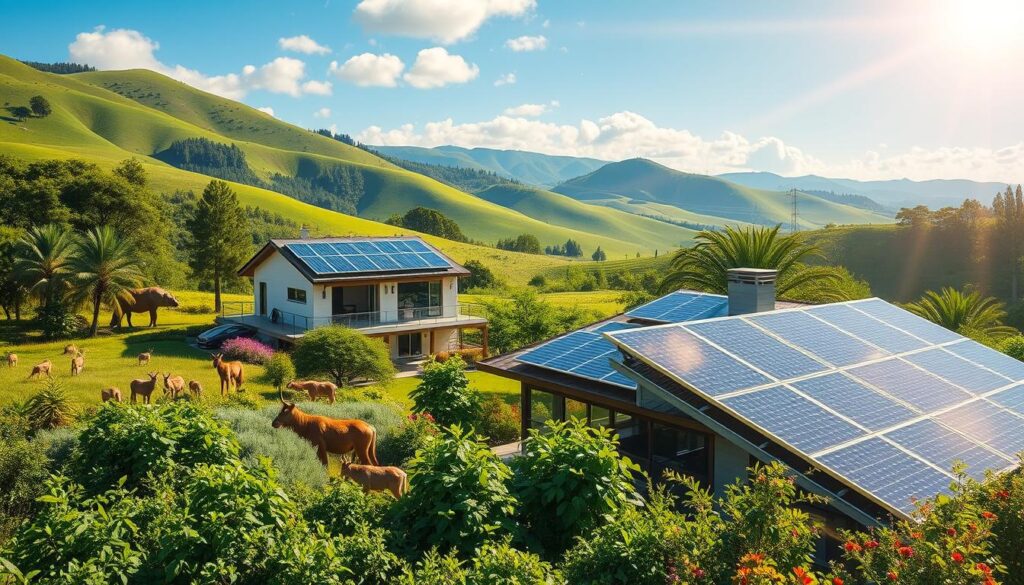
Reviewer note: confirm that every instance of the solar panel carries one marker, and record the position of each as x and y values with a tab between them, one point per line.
855	401
957	370
757	348
903	381
906	321
944	447
873	331
993	360
793	418
585	354
385	255
821	339
681	306
1011	398
989	424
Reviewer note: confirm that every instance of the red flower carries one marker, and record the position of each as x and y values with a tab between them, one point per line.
985	569
988	515
906	552
957	557
892	575
698	572
951	531
851	546
802	575
871	544
837	581
916	535
1003	494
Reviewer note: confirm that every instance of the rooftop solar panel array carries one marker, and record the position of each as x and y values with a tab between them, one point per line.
583	353
681	306
874	394
383	255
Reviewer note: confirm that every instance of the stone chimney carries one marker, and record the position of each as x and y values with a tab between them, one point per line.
751	290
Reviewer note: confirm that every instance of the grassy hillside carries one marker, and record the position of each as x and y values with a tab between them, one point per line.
649	181
533	168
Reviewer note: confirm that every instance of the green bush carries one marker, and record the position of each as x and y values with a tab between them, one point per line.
279	370
365	554
568	481
343	354
342	507
499	421
436	569
23	472
58	445
50	407
458	497
445	394
1014	347
400	445
523	318
293	458
57	321
500	564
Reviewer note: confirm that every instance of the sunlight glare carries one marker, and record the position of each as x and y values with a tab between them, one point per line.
982	26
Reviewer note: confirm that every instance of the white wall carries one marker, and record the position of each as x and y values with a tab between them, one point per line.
449	296
388	303
280	274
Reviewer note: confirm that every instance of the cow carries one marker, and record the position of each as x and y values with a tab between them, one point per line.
173	385
71	349
144	357
229	372
330	435
315	389
110	394
376	479
12	359
142	300
143	387
77	364
195	389
41	368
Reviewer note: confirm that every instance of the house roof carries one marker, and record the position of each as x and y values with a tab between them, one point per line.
353	261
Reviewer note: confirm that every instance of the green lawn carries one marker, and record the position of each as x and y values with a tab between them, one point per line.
604	302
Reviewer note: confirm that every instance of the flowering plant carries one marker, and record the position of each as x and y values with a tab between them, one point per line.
247	350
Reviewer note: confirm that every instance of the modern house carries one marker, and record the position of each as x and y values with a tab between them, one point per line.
868	404
400	289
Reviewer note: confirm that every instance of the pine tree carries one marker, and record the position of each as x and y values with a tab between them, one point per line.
599	255
220	240
1009	212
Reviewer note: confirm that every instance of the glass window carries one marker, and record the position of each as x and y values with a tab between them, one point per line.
542	408
633	438
678	449
575	409
600	416
297	295
424	298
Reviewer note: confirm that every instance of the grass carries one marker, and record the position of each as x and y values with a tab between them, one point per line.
604	302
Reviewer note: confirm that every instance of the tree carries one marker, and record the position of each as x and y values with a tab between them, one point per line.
44	254
525	243
40	106
480	276
279	370
105	269
966	312
429	221
444	393
1008	208
705	266
524	318
343	354
20	112
12	288
599	255
220	241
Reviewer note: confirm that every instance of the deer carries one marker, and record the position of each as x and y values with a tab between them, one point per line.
110	394
77	364
195	389
71	349
143	387
173	385
41	368
229	372
315	389
330	435
12	359
373	478
145	357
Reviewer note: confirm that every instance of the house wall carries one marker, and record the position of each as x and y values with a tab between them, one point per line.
280	274
389	304
449	296
730	464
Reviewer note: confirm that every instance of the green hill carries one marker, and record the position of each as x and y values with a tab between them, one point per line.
647	181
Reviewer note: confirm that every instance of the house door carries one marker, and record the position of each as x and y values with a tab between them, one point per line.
263	299
410	345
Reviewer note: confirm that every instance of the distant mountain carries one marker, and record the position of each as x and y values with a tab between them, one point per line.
649	182
533	168
892	193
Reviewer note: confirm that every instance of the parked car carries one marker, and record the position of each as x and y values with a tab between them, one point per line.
213	338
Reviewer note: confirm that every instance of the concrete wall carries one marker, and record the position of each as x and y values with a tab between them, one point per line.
388	302
449	296
280	274
730	464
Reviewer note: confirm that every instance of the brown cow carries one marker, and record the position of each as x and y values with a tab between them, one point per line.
173	385
12	359
143	300
77	364
110	394
145	357
330	435
41	368
315	389
143	387
195	389
71	349
229	372
376	479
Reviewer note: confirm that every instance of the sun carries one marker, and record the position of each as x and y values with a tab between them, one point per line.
986	27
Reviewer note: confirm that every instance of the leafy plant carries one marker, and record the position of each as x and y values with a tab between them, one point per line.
23	471
499	421
50	407
524	318
342	507
966	312
105	268
293	458
500	564
1014	347
248	350
444	392
401	444
343	354
279	370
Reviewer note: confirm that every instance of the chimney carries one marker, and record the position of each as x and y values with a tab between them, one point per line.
751	290
304	233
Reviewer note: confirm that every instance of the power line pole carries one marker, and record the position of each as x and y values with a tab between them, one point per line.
794	220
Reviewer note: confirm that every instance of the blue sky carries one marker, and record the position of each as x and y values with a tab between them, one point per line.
864	89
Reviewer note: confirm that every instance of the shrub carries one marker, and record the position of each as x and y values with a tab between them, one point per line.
23	472
50	407
384	416
343	354
401	444
342	507
365	554
458	497
436	569
499	421
58	445
195	309
524	318
1003	496
444	392
1014	347
568	480
293	458
538	281
500	564
480	276
57	321
469	355
279	370
247	350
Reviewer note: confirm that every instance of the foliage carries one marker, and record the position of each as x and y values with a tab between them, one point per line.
278	370
400	445
23	471
50	407
705	266
40	106
632	299
1002	496
436	569
570	248
343	354
500	564
58	445
458	497
342	507
219	244
248	350
43	260
966	312
59	68
293	458
845	287
1014	347
429	221
523	318
56	320
498	421
599	255
105	269
1008	209
525	243
568	481
444	393
206	157
365	554
480	276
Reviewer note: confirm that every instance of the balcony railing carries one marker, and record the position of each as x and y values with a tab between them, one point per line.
244	311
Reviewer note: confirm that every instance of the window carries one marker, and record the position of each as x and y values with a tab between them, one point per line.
600	417
575	409
678	449
542	408
419	299
297	295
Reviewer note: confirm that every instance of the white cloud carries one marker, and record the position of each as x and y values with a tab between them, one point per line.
531	110
302	44
267	110
546	23
436	68
315	87
322	113
130	49
527	43
445	21
507	79
369	70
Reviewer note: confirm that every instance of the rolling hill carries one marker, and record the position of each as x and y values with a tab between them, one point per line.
532	168
649	182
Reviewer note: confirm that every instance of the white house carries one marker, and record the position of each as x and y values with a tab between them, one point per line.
400	289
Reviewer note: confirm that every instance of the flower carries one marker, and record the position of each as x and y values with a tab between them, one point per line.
985	569
1003	494
916	535
851	546
957	557
837	581
892	575
951	531
802	576
698	573
905	552
871	544
988	515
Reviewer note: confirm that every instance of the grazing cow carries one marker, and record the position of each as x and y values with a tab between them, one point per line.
195	389
330	435
41	368
143	387
229	372
315	389
173	385
110	394
145	357
71	349
143	300
77	364
12	359
376	479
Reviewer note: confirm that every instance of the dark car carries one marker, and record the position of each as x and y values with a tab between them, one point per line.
213	338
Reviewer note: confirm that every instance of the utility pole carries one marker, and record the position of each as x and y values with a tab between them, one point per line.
794	220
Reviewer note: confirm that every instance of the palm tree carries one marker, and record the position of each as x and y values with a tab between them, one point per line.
105	268
43	255
966	312
705	266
